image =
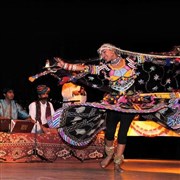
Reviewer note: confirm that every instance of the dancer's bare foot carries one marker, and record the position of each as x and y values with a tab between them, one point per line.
106	161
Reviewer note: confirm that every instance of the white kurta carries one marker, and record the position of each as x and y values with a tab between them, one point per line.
32	112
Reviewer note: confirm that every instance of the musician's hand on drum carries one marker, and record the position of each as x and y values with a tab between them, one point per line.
59	61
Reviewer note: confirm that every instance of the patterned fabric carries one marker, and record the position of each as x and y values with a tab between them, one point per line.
79	124
174	119
150	77
143	73
18	147
158	78
121	75
169	116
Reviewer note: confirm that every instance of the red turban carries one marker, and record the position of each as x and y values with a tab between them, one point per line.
42	89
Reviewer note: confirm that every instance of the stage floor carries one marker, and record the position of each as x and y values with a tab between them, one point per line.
134	169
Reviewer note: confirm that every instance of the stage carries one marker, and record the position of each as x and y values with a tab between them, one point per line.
152	153
134	169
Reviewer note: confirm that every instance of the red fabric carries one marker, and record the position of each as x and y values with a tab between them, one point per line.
17	147
64	80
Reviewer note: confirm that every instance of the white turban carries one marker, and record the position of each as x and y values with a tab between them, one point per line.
107	46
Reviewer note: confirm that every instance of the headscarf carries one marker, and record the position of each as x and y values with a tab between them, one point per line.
107	46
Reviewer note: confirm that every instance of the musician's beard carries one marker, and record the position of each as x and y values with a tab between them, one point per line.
44	99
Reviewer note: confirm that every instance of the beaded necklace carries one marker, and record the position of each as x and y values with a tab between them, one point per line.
115	61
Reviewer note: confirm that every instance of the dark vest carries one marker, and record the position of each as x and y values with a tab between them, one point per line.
38	112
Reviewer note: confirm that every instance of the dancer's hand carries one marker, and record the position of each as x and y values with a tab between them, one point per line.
60	62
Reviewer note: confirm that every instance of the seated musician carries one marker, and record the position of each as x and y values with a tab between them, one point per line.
41	110
10	109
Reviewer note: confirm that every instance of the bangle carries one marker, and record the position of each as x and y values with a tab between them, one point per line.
74	67
65	66
62	64
87	69
69	67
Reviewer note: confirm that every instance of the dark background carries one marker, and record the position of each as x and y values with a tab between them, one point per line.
36	30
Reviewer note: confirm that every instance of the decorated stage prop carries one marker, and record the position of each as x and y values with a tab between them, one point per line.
156	95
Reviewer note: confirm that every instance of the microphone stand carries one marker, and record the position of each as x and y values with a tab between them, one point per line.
72	153
34	151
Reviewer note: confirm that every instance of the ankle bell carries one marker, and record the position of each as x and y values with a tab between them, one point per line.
118	159
109	150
